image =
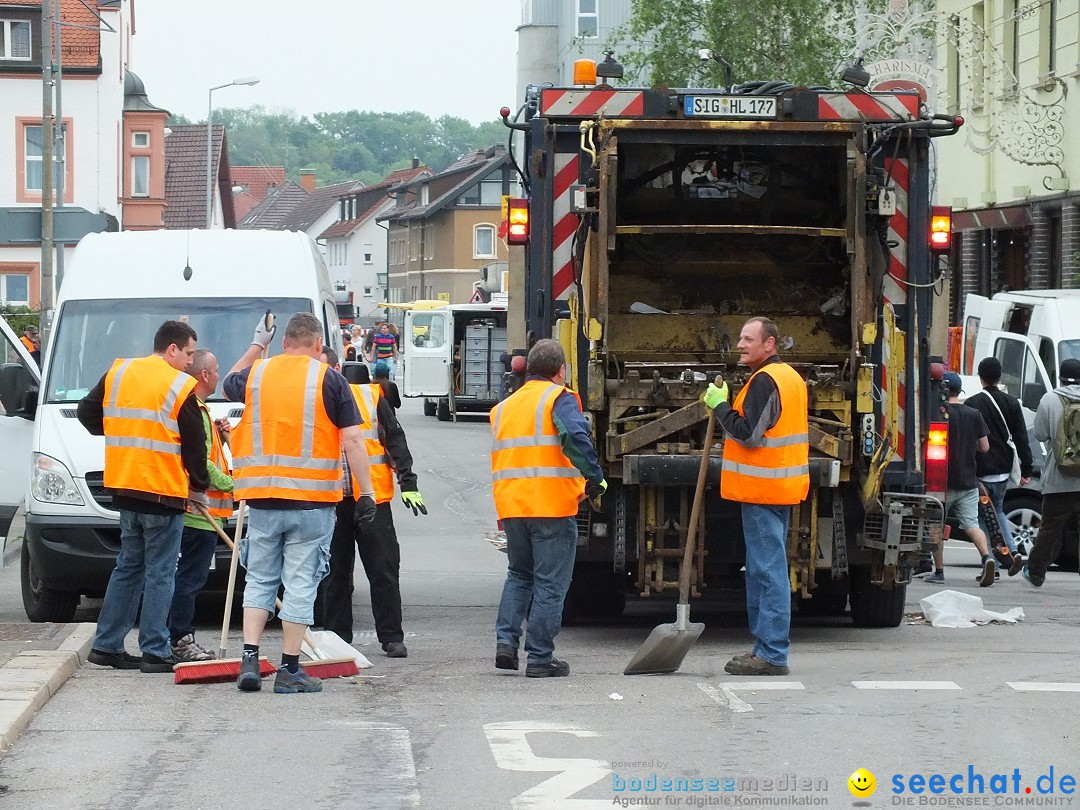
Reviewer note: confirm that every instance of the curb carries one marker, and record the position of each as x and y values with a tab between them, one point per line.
29	679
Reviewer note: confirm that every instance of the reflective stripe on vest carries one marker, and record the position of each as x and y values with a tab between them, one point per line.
221	503
531	476
142	399
285	445
382	474
777	472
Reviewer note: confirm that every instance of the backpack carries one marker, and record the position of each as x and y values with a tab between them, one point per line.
1067	441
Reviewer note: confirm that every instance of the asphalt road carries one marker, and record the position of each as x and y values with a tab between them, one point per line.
444	729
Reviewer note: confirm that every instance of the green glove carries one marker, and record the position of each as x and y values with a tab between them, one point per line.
414	501
594	492
714	396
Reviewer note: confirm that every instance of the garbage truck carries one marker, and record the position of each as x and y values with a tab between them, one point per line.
654	223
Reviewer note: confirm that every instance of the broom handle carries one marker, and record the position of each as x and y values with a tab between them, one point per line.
695	511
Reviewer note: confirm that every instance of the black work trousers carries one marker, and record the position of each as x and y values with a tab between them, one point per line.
381	557
1057	508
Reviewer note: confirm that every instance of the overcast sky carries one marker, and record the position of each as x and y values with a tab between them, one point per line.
454	57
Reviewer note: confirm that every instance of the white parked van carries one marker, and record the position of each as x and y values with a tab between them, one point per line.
118	289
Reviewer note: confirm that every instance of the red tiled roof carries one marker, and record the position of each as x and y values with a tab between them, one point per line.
185	175
79	47
256	181
371	199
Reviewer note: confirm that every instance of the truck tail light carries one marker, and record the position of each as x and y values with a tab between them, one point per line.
518	221
940	228
937	459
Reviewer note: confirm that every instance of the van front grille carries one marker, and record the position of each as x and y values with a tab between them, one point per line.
95	482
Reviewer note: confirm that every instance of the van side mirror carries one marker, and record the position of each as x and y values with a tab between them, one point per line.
1033	392
29	405
18	391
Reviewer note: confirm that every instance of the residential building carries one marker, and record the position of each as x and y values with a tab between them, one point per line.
299	207
251	184
555	33
445	228
185	178
1012	175
356	244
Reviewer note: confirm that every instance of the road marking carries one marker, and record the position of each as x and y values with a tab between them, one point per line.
510	747
904	685
1036	686
724	693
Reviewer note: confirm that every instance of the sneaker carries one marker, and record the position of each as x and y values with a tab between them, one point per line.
506	657
188	649
989	569
754	666
395	649
552	669
153	663
1035	580
116	660
997	575
250	679
935	578
286	683
1017	564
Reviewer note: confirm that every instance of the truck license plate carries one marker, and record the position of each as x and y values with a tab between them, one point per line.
730	107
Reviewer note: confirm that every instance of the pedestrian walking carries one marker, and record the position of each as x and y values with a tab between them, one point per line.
384	348
155	462
390	458
766	471
287	467
381	375
1057	424
199	538
967	438
543	465
1010	449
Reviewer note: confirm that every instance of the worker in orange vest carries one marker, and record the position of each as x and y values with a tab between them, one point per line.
32	343
287	466
766	470
543	465
155	462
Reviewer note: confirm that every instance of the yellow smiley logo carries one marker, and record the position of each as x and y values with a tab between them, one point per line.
862	784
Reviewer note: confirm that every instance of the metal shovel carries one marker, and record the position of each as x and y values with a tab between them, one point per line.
668	644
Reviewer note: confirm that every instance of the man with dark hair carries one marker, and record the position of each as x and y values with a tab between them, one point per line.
32	343
287	466
543	465
1004	420
766	471
155	463
1060	487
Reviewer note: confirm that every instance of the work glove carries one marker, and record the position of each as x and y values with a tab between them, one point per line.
364	513
197	499
714	396
414	501
594	492
264	332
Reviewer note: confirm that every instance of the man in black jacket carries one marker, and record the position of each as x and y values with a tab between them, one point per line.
1004	420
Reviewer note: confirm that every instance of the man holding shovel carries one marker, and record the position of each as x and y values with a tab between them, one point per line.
766	470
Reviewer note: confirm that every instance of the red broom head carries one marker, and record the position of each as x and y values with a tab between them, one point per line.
331	667
222	671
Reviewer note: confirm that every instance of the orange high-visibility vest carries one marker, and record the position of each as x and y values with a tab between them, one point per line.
382	474
778	473
28	343
142	438
531	476
221	503
285	446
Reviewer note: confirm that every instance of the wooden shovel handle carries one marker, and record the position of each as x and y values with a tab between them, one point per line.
695	511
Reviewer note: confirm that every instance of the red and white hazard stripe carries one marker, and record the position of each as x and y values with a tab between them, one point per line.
556	103
894	290
564	224
866	107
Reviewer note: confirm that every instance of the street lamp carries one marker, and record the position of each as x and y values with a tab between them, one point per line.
246	80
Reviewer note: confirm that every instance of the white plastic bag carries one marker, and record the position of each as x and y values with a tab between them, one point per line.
956	609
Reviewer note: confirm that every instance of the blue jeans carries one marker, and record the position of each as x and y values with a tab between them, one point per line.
146	567
768	585
996	491
289	547
196	551
540	555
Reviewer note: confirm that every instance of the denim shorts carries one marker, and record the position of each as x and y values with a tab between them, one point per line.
963	504
289	547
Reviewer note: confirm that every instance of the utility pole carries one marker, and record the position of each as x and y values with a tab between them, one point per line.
59	139
46	168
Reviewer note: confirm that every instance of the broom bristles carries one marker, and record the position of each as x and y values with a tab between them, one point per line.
217	671
331	667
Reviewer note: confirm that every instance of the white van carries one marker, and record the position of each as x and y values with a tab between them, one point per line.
118	289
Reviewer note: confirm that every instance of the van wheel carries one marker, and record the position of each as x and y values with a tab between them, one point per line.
44	604
873	606
442	411
429	407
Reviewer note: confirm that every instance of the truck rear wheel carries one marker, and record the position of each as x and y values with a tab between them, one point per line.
44	604
442	410
872	605
429	407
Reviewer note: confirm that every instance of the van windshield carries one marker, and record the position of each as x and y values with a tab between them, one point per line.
90	335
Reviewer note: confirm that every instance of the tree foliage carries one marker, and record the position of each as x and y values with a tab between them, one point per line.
800	41
352	145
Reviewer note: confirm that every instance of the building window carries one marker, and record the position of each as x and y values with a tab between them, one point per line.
367	254
425	195
15	288
427	235
140	176
588	24
1048	38
15	40
1012	43
484	242
367	292
140	140
952	67
486	192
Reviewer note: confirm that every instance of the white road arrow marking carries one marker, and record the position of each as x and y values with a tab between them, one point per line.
724	692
